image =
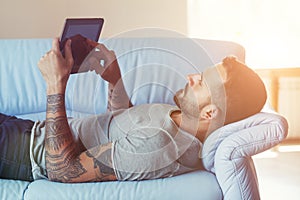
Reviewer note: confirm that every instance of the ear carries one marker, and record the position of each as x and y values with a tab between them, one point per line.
229	60
209	112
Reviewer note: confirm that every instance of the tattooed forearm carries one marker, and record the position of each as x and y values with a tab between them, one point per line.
62	161
55	102
74	170
55	98
56	129
57	161
54	108
65	166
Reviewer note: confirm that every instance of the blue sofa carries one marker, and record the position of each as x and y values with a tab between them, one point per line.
153	69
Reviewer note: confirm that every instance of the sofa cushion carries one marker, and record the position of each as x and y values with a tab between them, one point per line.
12	189
192	186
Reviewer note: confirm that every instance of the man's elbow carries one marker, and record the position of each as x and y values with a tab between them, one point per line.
66	172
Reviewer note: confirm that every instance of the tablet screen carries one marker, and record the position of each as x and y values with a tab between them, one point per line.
89	28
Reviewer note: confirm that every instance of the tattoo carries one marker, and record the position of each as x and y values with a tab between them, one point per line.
56	129
64	166
55	98
101	156
54	108
63	156
55	102
62	160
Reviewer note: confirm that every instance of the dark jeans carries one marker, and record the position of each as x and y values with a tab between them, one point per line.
14	148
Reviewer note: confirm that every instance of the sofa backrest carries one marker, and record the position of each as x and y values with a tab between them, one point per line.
153	69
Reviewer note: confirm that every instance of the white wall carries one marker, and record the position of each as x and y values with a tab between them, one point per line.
268	29
45	18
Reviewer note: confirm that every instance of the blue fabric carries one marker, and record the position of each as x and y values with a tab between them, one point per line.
198	185
14	148
12	189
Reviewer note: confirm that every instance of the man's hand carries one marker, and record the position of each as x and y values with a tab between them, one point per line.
109	70
55	68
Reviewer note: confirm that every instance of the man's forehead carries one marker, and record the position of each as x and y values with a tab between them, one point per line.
214	81
211	73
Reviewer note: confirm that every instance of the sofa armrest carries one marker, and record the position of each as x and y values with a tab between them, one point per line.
255	139
245	138
233	165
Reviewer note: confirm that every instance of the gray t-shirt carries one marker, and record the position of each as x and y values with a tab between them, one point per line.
147	144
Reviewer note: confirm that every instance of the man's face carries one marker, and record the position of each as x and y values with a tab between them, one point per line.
197	92
194	96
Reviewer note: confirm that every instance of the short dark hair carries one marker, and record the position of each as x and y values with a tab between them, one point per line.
245	91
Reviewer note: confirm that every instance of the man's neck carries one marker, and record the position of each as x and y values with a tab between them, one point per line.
192	126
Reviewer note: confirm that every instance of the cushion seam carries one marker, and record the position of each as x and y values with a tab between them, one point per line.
263	141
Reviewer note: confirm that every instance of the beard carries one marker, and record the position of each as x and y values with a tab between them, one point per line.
187	102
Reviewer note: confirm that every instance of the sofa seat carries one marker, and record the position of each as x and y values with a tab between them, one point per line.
12	189
192	186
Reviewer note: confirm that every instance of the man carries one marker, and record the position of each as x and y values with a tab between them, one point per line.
142	142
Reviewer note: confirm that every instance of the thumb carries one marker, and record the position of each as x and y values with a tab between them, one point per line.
68	53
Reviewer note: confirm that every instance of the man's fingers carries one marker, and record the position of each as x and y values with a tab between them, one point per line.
55	44
68	52
92	43
95	65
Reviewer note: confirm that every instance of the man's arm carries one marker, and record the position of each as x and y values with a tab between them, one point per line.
109	71
117	97
64	161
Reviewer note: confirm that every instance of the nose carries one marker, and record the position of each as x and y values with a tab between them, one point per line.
194	79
